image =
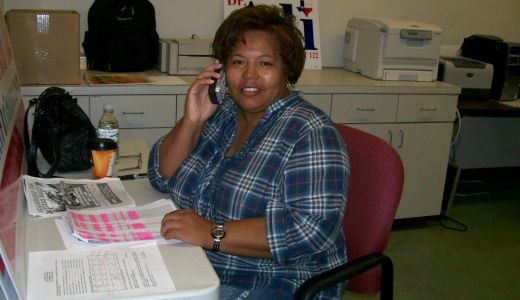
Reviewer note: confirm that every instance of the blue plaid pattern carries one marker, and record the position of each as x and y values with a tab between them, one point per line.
292	170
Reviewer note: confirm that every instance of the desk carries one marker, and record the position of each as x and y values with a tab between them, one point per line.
416	118
488	137
189	268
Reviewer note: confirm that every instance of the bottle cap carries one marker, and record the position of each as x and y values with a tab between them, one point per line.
108	107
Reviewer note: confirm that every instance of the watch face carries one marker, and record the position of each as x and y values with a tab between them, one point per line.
217	232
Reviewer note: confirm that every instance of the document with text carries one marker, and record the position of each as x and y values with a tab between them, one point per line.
50	197
118	225
94	273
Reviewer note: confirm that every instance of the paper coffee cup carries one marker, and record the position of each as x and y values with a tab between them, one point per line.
103	157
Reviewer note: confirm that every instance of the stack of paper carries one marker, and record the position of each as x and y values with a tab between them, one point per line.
115	225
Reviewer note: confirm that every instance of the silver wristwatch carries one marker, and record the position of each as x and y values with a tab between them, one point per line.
217	234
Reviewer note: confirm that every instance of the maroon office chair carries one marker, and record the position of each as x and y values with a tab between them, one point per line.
376	183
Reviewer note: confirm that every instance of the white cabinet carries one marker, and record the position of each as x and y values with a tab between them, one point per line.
322	101
144	116
414	117
424	150
419	127
140	116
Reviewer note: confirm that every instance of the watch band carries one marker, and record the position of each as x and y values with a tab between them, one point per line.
217	234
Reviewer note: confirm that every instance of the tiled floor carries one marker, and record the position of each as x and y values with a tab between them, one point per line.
432	262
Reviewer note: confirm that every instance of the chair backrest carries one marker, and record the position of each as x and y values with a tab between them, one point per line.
375	186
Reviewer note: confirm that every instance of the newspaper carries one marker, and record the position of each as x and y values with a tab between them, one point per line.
49	197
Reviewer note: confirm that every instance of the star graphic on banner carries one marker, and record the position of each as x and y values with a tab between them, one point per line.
305	10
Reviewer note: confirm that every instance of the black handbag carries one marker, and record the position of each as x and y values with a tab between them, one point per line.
60	130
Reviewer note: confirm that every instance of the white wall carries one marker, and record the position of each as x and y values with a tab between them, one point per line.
458	18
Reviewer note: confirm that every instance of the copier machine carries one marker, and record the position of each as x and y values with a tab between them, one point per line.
389	49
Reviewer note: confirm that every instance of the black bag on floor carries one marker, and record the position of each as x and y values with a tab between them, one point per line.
60	130
121	36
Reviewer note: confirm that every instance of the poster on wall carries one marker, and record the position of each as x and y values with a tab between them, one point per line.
306	14
11	160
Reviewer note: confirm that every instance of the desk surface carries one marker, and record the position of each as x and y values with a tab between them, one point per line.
326	80
488	108
189	267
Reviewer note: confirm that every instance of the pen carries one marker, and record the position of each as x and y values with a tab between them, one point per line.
133	176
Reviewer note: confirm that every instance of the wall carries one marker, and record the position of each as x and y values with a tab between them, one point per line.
458	19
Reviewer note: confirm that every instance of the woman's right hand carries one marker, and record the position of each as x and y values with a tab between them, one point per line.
183	138
198	107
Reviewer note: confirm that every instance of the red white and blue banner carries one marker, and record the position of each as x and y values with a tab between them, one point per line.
306	13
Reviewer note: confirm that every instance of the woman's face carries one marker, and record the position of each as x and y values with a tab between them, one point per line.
255	73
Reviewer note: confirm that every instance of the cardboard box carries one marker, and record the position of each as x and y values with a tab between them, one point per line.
46	45
188	56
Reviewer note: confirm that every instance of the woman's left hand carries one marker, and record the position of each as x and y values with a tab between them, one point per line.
186	225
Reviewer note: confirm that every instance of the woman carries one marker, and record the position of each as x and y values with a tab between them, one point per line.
260	180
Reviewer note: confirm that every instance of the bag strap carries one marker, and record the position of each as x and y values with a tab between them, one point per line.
31	148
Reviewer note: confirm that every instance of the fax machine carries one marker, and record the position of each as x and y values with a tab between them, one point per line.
473	76
390	49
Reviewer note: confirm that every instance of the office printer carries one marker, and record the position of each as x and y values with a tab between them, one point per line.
390	49
473	76
184	56
505	58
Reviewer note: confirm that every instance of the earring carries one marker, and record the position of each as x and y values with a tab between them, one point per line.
289	85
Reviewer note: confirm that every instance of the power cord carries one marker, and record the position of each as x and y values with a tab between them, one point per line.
445	220
457	125
459	226
486	192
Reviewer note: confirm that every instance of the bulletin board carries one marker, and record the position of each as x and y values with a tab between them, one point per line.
11	161
306	14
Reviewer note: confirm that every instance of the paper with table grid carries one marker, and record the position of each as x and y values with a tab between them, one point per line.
98	273
126	224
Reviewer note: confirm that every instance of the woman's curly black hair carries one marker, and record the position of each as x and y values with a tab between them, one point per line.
266	18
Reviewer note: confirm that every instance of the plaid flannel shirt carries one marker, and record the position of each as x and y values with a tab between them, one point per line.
292	170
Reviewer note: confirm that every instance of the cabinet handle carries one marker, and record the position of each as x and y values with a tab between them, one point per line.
133	113
401	133
390	136
365	109
428	109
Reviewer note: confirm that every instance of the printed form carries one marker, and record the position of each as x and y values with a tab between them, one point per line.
118	272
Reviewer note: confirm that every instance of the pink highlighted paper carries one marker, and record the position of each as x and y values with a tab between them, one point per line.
102	226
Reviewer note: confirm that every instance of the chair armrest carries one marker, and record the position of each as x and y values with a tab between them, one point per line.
314	285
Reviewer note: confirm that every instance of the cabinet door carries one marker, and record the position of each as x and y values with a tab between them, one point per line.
137	111
322	101
424	150
427	108
149	135
364	108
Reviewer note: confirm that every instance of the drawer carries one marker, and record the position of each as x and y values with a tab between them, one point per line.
322	101
427	108
361	108
149	135
137	111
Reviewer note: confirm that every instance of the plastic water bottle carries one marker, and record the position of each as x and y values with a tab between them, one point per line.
108	127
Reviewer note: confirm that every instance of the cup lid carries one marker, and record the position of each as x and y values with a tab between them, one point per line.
102	144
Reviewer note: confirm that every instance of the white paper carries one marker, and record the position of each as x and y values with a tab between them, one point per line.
113	272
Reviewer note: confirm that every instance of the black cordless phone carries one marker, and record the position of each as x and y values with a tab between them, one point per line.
217	90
